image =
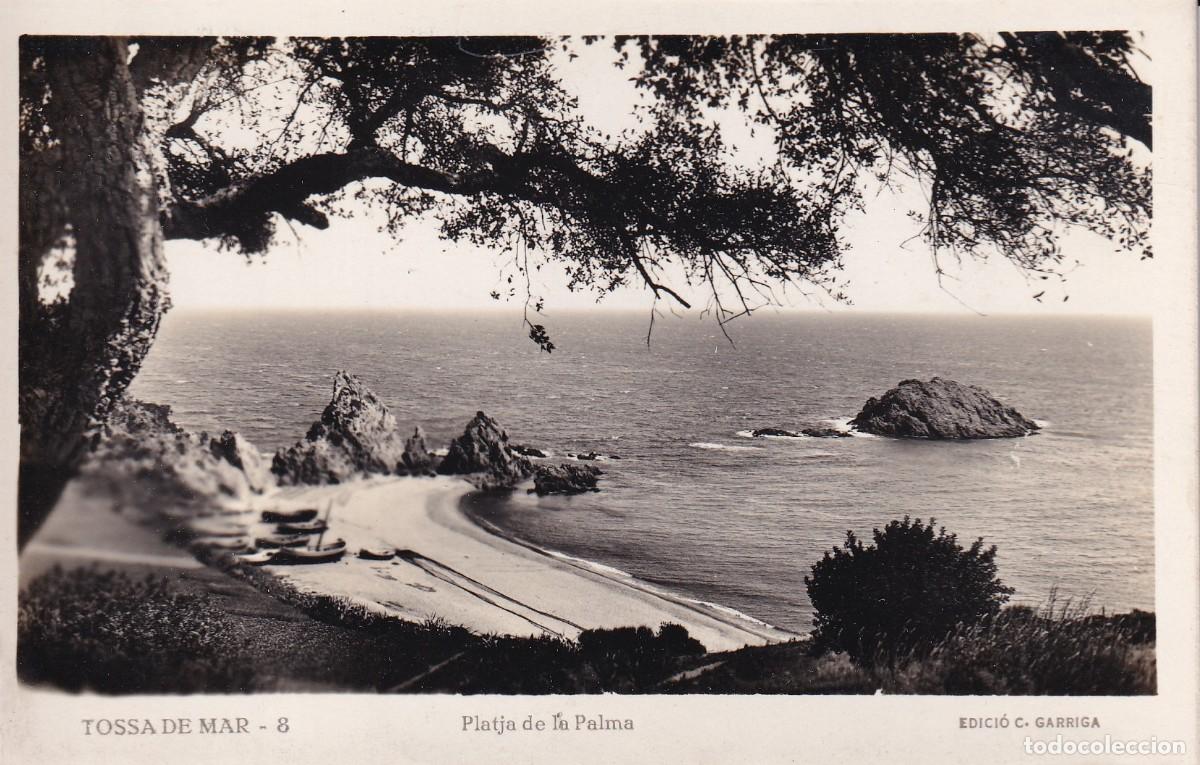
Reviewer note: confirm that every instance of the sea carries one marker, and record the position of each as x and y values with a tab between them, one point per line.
689	501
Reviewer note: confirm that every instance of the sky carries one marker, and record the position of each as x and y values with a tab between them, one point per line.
352	265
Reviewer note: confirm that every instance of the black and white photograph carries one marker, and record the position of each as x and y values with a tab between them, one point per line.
742	364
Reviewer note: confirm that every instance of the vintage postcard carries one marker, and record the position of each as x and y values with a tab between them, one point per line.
656	382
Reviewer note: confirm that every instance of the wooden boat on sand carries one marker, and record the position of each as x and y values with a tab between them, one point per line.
289	516
258	557
377	553
299	555
283	540
302	527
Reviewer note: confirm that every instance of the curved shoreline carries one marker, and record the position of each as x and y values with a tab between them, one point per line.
733	616
454	568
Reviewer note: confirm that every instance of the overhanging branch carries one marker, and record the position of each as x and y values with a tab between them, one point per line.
286	190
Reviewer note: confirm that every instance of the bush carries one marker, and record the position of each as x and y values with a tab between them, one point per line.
627	659
620	660
903	593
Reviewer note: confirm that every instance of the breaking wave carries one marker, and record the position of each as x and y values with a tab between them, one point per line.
750	434
725	447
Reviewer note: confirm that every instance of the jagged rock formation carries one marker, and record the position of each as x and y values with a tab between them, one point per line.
149	465
240	453
940	409
565	479
356	434
482	451
416	458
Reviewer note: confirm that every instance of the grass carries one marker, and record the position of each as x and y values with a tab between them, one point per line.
114	633
109	632
106	631
1057	650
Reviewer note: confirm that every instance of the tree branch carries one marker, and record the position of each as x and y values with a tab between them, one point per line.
1083	87
286	190
168	60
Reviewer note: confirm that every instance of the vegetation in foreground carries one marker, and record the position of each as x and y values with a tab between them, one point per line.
902	593
108	632
1021	651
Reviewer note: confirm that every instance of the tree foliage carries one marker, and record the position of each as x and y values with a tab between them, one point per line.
1013	139
904	592
127	143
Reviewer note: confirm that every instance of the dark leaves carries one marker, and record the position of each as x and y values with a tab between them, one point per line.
537	333
1006	153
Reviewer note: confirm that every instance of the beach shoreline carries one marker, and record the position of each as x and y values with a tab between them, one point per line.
457	569
464	607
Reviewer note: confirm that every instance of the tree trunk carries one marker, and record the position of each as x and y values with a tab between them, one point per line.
77	359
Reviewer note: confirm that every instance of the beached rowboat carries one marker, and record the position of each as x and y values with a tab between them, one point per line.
289	516
377	553
282	540
305	527
323	554
258	557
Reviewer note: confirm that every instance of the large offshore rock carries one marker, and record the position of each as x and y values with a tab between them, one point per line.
565	479
940	409
482	451
355	435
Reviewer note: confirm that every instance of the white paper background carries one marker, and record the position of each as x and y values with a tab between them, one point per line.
46	727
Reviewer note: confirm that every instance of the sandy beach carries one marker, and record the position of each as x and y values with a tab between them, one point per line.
456	571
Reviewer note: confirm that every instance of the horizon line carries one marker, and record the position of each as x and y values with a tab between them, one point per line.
667	314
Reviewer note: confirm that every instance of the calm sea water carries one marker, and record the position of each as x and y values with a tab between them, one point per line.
692	505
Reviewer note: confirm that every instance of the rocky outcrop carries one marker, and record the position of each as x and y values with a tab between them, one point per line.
528	451
150	465
819	431
482	452
774	432
356	434
240	453
565	479
815	431
593	456
940	409
416	457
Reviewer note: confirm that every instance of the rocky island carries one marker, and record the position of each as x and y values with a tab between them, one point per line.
941	409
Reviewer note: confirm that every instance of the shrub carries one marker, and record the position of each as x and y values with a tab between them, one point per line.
627	659
903	593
